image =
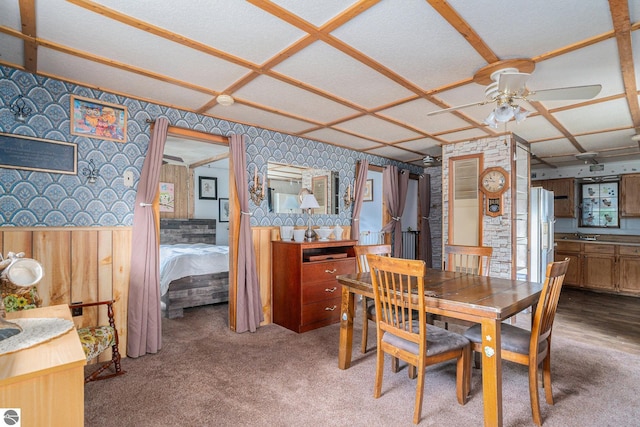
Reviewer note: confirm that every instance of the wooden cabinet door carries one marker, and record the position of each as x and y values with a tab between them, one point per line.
572	278
598	272
629	270
564	199
630	196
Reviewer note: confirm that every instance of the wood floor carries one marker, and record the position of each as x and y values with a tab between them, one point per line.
612	320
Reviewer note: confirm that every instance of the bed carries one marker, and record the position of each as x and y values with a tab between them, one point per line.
194	271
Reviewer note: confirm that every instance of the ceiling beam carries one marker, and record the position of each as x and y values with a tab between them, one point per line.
209	160
28	19
622	29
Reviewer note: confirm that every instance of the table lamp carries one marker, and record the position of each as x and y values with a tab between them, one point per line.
309	202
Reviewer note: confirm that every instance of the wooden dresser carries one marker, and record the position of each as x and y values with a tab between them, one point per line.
306	294
45	381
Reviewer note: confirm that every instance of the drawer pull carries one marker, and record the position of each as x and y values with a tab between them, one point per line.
330	308
331	271
332	290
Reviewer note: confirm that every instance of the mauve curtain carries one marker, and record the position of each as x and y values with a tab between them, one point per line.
394	188
424	192
358	195
248	304
144	330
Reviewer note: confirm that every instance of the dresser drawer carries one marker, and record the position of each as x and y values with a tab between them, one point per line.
328	270
629	250
320	291
321	311
593	248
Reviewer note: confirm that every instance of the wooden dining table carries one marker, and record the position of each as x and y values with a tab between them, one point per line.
479	299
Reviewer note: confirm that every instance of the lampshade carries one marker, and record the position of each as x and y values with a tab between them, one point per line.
290	203
309	202
503	113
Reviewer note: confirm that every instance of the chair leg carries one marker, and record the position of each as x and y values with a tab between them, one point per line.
412	371
546	378
533	393
417	410
395	364
463	376
377	388
365	326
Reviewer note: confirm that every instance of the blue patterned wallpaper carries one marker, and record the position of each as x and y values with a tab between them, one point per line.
29	198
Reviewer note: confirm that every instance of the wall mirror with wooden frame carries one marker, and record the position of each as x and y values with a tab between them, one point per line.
287	183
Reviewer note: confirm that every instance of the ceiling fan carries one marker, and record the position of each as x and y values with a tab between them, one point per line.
506	85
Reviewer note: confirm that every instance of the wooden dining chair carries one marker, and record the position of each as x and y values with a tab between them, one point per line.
97	339
465	259
532	348
469	259
398	287
368	306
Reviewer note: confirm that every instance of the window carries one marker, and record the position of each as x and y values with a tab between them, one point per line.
599	204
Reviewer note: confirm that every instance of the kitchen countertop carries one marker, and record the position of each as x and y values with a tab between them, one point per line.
600	239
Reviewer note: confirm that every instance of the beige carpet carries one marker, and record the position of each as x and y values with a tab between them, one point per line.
206	375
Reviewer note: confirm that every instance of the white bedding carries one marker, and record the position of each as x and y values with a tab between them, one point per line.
182	260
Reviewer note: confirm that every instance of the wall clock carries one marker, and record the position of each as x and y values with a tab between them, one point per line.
494	182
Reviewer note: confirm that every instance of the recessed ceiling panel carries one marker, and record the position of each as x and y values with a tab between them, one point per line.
114	80
397	36
332	71
605	141
10	14
605	115
255	117
463	135
534	128
317	13
291	99
392	152
149	52
234	27
11	50
516	29
376	129
555	147
423	145
341	138
415	113
595	64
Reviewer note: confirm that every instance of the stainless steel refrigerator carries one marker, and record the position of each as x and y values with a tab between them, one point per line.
541	221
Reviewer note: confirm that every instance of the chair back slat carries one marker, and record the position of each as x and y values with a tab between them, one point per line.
361	252
548	303
398	287
469	259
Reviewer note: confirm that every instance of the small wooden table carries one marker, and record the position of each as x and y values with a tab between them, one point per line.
480	299
45	381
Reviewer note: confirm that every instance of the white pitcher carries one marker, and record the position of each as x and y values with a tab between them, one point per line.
337	232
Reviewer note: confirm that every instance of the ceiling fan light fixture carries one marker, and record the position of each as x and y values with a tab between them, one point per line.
504	113
225	100
491	121
520	114
586	156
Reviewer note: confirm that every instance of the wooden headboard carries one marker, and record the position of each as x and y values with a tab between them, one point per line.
174	231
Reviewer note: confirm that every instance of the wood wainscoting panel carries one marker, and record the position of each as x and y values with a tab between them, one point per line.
80	264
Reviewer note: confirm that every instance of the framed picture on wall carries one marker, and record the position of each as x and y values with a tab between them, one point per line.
368	191
97	119
208	188
167	199
223	210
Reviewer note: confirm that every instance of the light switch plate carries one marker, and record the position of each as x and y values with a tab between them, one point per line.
128	179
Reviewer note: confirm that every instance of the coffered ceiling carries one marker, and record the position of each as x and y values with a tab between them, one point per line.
359	74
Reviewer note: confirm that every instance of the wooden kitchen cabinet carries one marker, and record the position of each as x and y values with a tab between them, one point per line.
629	269
563	195
572	251
306	294
599	267
630	196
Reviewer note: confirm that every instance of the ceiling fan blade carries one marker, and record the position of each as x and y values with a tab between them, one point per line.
174	158
565	93
446	110
513	83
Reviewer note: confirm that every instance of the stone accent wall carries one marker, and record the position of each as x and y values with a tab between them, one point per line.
496	230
